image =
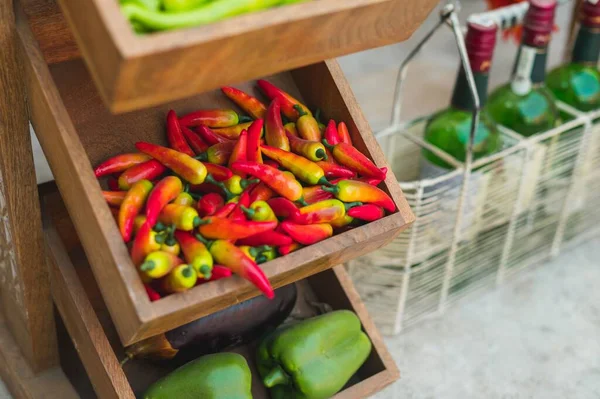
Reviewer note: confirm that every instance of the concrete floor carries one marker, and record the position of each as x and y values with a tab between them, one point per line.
536	337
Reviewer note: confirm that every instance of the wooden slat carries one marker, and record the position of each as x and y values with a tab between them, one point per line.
21	380
83	326
24	283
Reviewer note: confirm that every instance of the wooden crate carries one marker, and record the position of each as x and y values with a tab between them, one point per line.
134	72
77	131
93	333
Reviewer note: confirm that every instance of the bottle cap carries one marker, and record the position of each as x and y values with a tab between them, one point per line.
590	13
539	22
480	41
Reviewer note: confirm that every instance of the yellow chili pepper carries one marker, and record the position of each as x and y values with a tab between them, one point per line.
159	264
181	279
138	222
185	199
183	217
291	127
260	211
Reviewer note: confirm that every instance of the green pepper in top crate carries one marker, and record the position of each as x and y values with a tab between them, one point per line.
315	358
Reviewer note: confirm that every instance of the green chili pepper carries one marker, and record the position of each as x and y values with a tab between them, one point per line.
211	12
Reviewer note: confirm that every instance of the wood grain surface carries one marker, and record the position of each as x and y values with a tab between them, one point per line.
332	287
75	128
134	72
24	286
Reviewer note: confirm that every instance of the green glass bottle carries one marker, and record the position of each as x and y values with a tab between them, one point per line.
578	83
449	129
525	105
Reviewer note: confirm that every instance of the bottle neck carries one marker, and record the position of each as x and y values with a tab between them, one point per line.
587	46
462	98
530	69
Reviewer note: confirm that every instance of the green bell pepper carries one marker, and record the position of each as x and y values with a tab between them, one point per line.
218	376
315	358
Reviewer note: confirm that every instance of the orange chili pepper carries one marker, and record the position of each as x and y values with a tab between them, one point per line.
358	191
283	184
114	198
261	193
211	118
288	103
185	166
350	157
233	132
291	128
194	140
196	254
164	192
248	103
289	248
216	228
274	132
183	217
307	234
323	212
308	127
145	243
132	205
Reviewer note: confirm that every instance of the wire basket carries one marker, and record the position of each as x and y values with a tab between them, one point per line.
483	221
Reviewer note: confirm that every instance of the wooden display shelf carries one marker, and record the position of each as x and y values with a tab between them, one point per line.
94	335
77	131
133	72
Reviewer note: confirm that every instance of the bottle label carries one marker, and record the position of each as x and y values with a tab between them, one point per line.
521	83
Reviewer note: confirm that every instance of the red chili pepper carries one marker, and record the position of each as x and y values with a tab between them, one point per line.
149	170
120	163
274	132
284	208
188	168
307	234
218	154
368	212
211	118
216	228
145	243
284	185
218	172
312	150
333	170
288	249
248	103
305	170
240	151
114	198
261	192
175	135
238	214
253	151
132	205
152	294
350	157
195	141
270	162
164	192
272	238
357	191
374	181
196	254
210	136
209	204
233	132
323	212
344	133
331	134
219	272
230	256
225	211
287	101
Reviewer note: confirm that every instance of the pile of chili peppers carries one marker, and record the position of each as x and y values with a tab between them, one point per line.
232	192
